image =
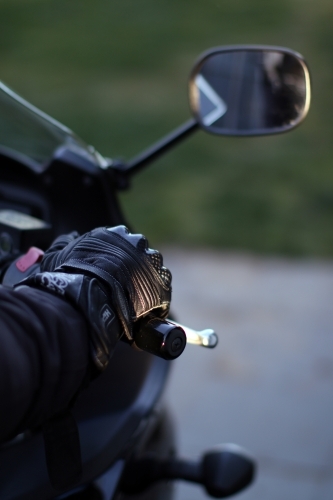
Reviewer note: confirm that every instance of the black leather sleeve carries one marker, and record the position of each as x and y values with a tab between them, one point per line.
44	357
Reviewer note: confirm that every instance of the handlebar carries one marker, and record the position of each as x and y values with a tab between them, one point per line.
160	337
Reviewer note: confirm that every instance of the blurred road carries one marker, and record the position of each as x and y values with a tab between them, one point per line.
268	385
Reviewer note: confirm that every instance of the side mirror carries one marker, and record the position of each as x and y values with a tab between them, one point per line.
249	90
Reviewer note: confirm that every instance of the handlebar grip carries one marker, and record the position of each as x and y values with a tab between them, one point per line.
160	337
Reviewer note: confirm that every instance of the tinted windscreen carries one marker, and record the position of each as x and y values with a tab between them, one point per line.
29	134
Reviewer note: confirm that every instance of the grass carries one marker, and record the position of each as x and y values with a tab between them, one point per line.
116	72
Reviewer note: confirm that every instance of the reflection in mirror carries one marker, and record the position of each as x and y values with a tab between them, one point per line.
250	91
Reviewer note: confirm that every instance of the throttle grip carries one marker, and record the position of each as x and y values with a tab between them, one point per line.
160	337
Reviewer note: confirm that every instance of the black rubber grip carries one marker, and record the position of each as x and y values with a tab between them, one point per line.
160	337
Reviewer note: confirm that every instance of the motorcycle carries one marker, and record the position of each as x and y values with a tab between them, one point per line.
51	182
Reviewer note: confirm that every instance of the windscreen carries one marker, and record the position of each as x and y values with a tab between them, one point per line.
29	135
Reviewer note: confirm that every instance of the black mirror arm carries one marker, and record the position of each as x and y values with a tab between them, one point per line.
153	152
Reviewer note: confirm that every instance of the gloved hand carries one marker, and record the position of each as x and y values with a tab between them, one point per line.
112	277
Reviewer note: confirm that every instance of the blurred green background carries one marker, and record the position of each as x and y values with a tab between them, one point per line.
116	72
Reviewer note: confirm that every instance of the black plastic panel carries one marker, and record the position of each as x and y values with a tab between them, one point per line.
108	414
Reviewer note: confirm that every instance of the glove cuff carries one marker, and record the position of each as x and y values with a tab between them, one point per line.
90	297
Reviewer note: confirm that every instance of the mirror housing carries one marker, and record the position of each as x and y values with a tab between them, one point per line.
247	90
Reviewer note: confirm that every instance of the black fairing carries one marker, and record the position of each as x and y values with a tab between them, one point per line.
70	196
109	414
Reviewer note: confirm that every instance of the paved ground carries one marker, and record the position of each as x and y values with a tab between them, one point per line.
268	385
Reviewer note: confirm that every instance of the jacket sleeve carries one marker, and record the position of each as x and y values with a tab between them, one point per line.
44	357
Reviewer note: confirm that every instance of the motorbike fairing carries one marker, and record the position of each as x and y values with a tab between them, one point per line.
108	413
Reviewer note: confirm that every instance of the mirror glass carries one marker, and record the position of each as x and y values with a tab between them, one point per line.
249	91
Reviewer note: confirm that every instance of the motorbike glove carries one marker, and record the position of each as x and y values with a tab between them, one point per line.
113	277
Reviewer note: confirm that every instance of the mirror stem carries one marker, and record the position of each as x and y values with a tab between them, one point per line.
160	147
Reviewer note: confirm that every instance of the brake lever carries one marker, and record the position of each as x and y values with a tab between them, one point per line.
204	338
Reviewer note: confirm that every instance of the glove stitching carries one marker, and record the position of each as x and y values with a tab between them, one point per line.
139	254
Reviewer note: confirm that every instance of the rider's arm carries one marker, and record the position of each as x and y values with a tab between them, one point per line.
60	325
44	357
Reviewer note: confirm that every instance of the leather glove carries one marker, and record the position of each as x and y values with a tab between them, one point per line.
112	277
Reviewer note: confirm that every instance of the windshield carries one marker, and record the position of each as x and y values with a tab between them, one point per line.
29	135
